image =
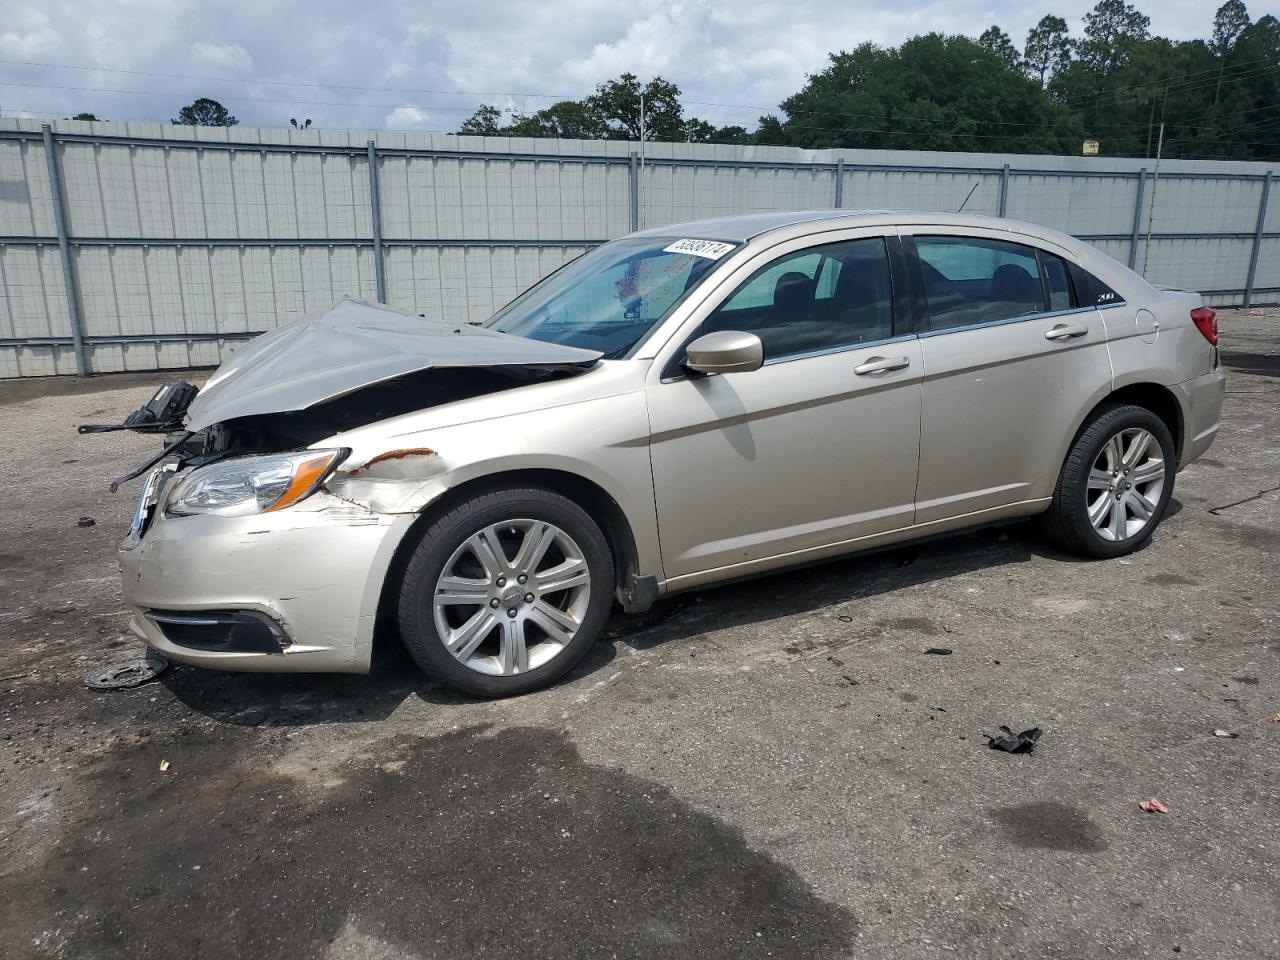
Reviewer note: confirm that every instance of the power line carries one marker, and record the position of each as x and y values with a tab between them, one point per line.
284	83
178	96
1184	83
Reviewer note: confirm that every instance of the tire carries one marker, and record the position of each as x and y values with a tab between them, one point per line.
484	611
1081	519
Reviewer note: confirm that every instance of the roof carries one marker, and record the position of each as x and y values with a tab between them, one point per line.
740	229
789	225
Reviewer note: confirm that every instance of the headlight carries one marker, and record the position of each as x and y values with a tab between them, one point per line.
248	485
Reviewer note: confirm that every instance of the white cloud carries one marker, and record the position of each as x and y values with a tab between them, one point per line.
229	58
406	118
443	59
28	33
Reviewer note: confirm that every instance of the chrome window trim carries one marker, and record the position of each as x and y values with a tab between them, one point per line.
902	338
1006	322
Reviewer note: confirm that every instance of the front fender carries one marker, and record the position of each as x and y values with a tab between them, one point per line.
604	441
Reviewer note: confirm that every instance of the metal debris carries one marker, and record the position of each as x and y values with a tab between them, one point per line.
127	673
1227	734
86	522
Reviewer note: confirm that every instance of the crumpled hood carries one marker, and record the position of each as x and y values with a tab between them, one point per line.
354	345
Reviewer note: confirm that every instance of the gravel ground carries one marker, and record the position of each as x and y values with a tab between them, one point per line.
775	769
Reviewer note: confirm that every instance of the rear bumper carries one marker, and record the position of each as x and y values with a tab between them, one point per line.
1201	401
314	572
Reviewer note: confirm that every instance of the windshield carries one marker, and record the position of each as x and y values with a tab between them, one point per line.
611	296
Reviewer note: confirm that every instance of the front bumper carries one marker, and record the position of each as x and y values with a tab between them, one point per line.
1201	400
314	570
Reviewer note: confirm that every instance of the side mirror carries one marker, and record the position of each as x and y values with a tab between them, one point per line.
725	351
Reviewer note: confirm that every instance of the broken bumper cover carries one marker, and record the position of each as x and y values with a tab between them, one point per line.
293	590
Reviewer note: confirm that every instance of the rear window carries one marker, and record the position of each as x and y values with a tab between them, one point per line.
970	281
1057	281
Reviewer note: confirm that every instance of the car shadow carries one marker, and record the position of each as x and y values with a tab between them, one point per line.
297	700
830	584
309	699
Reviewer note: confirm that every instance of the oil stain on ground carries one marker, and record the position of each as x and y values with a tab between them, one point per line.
1051	826
477	843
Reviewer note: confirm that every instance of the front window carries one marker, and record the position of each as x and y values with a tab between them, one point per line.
610	297
822	298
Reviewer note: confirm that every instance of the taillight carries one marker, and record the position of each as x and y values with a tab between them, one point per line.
1206	321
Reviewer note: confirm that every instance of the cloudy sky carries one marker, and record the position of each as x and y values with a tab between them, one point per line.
426	65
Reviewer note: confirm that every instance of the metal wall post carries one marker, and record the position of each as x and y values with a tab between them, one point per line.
375	206
635	191
64	248
1137	218
1004	190
840	184
1257	238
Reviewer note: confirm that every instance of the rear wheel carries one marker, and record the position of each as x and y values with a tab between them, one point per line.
1115	484
506	592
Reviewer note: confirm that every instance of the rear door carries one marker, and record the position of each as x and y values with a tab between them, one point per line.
818	446
1011	358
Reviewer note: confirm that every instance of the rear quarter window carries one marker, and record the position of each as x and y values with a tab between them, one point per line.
1092	292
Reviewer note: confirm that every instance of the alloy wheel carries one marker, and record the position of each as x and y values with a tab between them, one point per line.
512	596
1125	484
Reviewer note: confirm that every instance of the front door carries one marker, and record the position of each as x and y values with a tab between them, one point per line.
817	447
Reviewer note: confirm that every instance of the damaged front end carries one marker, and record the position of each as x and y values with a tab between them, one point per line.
317	378
251	547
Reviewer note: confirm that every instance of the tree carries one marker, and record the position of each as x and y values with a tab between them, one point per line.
618	104
205	113
1216	97
996	41
485	122
1231	20
84	116
732	134
568	119
611	113
934	92
771	131
1111	30
1048	47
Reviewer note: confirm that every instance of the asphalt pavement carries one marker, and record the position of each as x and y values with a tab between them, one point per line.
775	768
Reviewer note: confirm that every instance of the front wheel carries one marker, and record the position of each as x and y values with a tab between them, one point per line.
1115	484
506	592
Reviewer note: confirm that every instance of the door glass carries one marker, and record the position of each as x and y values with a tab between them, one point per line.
1055	277
969	281
827	297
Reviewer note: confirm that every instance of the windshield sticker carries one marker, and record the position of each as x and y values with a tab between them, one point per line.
711	249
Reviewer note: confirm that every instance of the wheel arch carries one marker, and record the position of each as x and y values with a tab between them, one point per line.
1155	397
587	494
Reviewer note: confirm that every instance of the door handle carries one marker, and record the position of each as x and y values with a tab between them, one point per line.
1066	331
881	365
